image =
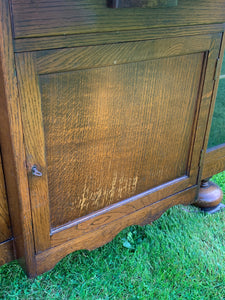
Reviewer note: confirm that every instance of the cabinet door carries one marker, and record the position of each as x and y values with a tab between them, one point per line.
110	129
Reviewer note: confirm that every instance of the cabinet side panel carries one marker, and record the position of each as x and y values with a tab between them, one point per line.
12	147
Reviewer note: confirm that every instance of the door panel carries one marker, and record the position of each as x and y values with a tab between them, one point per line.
112	128
109	131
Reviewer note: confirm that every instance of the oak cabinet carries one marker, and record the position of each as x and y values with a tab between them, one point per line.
104	118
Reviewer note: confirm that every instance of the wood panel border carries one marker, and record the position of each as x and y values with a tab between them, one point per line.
65	60
30	104
214	161
105	233
90	39
12	148
210	163
115	211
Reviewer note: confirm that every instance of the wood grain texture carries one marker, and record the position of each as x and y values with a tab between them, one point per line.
206	95
88	39
114	54
12	148
33	18
5	227
214	161
30	102
211	87
125	131
115	211
6	252
104	234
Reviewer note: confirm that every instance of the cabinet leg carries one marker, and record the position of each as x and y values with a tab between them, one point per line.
210	197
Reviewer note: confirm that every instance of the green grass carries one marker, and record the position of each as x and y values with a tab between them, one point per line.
180	256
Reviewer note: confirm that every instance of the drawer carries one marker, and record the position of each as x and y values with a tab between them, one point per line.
33	18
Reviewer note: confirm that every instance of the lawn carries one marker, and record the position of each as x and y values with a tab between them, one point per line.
179	256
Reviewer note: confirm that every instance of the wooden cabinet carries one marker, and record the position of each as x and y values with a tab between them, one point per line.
104	115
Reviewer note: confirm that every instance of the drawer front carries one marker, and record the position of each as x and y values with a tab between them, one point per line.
5	228
110	129
33	18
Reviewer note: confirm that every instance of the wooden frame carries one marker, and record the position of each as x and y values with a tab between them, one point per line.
12	148
76	235
214	160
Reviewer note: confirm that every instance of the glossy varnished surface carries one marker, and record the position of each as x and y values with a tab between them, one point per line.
114	132
46	18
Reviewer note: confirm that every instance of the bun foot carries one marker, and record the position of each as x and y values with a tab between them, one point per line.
210	197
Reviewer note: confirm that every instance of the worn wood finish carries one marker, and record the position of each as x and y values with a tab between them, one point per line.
6	252
105	233
5	227
102	154
12	148
88	39
214	161
112	213
30	102
47	18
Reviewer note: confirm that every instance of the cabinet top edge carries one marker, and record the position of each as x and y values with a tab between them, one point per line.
53	18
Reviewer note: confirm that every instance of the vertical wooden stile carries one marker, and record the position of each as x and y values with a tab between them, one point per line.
13	154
